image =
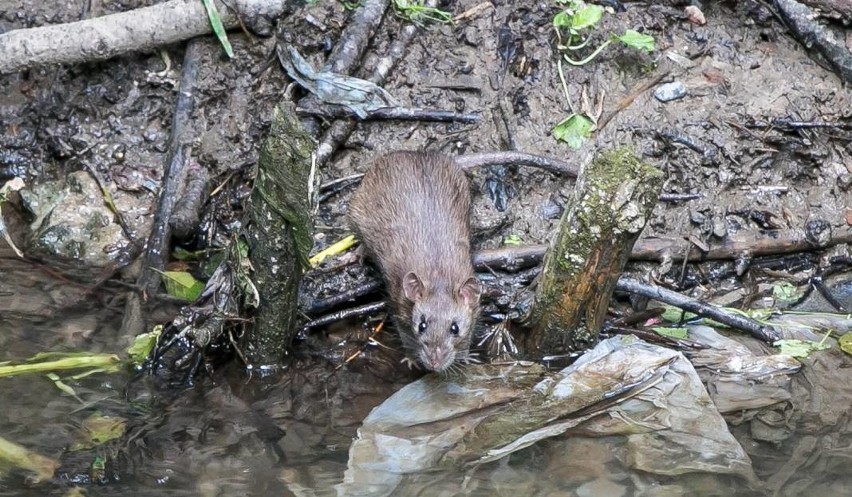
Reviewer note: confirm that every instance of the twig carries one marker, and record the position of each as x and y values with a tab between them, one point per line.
793	125
509	259
349	49
679	197
322	305
398	113
469	161
352	44
513	259
354	312
173	174
473	11
345	179
339	132
678	137
760	331
627	100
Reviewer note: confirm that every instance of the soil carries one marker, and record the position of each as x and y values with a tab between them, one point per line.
742	73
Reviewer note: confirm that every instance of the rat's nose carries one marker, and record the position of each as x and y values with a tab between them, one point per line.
437	359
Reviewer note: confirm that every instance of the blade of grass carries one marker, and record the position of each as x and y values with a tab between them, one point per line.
218	28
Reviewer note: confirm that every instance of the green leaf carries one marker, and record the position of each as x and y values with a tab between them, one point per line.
799	348
562	20
638	40
98	429
785	293
679	333
143	344
218	28
574	130
587	17
673	314
182	285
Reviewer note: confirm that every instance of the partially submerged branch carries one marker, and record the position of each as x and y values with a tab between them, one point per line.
763	332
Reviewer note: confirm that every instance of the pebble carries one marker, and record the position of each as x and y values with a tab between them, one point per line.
670	91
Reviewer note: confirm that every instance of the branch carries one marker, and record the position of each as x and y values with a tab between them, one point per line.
105	37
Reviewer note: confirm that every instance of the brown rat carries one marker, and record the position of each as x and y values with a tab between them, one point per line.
412	213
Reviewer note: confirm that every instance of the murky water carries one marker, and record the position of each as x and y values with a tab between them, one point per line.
291	435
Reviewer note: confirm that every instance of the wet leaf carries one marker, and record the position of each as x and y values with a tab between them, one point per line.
512	240
143	344
637	40
98	429
799	348
361	96
673	314
574	130
182	285
846	343
785	293
218	28
12	454
679	333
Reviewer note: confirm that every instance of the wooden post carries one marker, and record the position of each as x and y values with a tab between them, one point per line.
612	200
279	235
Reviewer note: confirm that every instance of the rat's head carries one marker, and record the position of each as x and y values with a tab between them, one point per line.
442	320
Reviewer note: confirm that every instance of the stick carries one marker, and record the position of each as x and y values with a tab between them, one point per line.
760	331
339	132
800	20
173	174
398	113
105	37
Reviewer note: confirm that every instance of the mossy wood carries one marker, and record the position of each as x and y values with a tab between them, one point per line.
612	200
279	234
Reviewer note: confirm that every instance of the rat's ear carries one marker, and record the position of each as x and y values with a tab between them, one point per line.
412	287
469	291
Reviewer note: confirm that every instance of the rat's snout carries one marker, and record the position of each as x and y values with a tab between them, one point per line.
437	358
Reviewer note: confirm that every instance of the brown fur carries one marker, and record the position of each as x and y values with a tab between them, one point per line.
412	213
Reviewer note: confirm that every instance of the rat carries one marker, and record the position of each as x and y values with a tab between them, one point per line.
412	215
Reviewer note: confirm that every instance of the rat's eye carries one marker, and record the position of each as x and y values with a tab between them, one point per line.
454	329
422	326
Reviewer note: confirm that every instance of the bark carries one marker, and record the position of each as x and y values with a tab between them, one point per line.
612	200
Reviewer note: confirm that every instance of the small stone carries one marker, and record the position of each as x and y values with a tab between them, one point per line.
844	181
694	15
670	91
697	217
720	228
